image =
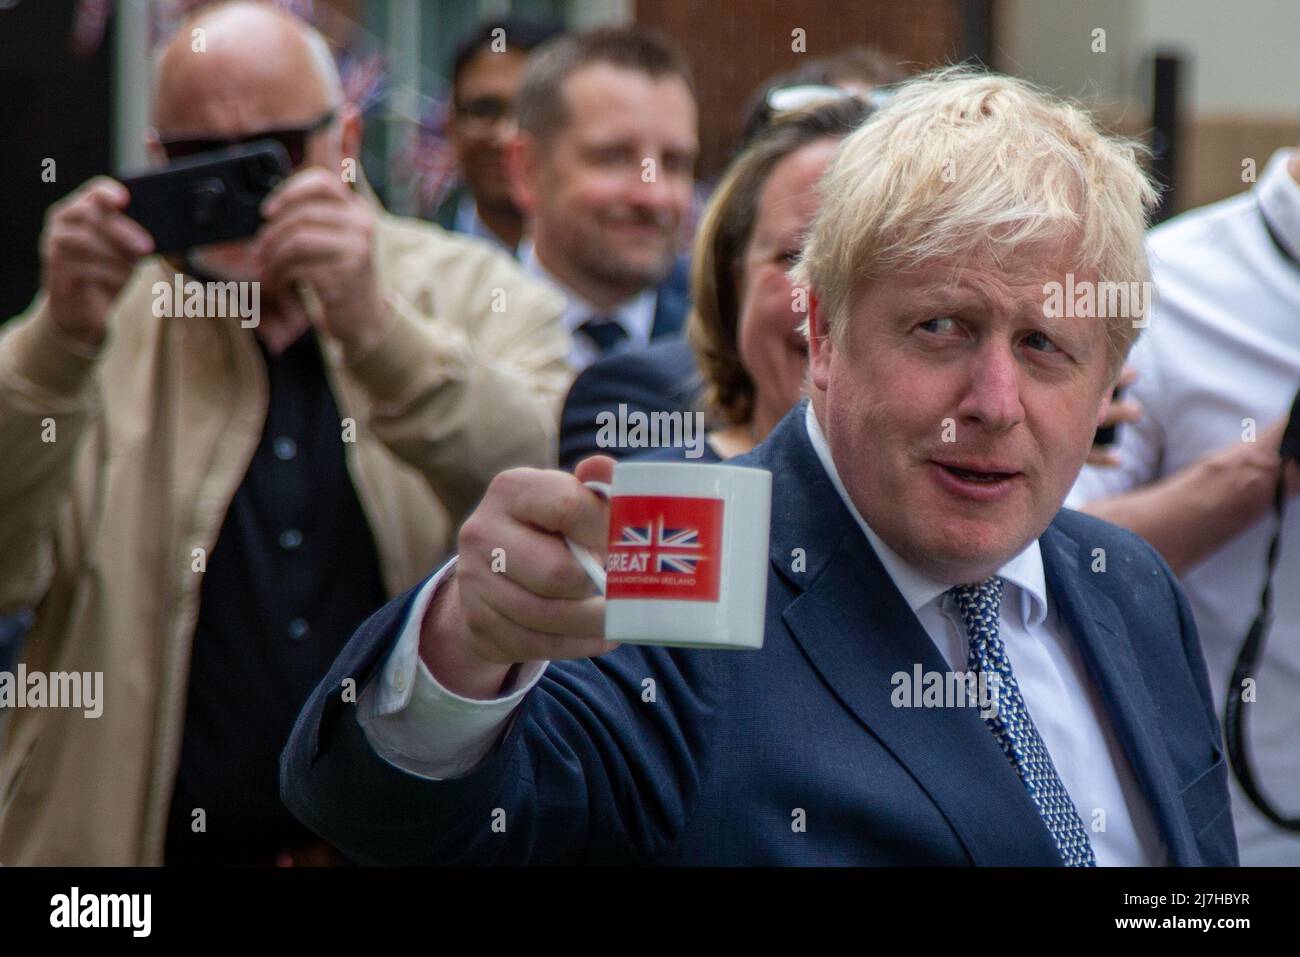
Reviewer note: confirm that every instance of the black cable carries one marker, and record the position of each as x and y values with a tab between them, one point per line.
1235	726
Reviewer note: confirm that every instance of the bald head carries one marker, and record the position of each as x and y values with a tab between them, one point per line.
252	67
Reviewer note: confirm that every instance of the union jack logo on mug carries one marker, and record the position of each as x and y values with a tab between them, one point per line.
664	547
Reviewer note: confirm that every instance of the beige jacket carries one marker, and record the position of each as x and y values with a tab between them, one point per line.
151	438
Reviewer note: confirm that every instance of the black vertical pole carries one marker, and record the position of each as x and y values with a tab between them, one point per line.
1166	134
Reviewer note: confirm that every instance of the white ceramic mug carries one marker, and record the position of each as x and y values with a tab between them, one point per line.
687	559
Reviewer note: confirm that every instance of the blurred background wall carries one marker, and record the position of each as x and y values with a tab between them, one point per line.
74	78
1239	85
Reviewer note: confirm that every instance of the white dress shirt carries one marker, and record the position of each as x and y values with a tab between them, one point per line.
636	316
416	724
1223	347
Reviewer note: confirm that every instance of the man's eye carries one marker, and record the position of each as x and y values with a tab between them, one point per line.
941	326
1040	342
789	257
611	156
677	163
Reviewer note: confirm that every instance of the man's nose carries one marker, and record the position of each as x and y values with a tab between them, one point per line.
992	397
504	130
651	189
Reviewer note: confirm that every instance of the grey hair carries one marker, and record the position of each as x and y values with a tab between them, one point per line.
326	66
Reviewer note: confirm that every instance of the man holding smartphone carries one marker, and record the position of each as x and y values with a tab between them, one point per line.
203	511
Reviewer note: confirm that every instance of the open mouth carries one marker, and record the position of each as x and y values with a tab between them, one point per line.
976	484
971	475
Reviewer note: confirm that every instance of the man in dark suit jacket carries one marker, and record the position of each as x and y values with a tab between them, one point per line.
916	534
737	747
661	378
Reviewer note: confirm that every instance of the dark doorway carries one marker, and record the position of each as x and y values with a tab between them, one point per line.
54	105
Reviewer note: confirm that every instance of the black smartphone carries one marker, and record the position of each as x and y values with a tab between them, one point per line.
1106	434
207	198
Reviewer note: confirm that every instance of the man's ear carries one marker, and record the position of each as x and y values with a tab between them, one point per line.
820	346
351	126
523	170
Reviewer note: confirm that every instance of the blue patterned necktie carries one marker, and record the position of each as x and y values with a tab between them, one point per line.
1013	727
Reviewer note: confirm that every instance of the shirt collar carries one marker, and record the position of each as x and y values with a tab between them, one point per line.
1279	201
635	315
468	221
1025	570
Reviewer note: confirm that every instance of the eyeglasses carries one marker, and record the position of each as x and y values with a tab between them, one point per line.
294	141
484	111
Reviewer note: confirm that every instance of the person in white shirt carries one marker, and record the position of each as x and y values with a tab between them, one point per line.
496	724
1216	376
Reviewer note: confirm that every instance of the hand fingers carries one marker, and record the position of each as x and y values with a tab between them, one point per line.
127	235
311	183
1123	410
1128	375
103	192
293	220
595	468
98	212
78	246
548	616
538	561
294	257
112	277
496	638
555	502
1101	458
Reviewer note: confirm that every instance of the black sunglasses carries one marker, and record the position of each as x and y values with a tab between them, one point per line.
293	140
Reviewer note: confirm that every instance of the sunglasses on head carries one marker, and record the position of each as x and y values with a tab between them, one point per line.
293	140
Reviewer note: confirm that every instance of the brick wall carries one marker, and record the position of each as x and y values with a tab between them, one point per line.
735	44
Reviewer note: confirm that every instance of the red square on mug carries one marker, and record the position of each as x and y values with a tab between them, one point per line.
665	547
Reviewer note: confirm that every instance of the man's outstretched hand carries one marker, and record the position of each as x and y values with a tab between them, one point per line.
517	593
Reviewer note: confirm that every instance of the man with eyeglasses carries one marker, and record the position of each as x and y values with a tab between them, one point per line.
487	70
202	513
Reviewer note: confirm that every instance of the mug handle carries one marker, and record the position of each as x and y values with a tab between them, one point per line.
587	560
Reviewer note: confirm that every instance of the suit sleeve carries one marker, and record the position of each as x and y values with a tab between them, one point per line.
601	764
1222	842
47	402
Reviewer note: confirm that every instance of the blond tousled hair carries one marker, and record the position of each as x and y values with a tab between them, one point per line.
962	163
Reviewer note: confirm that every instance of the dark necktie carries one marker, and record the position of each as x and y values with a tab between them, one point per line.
607	335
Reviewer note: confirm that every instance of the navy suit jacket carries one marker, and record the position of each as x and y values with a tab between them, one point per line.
672	301
735	748
661	378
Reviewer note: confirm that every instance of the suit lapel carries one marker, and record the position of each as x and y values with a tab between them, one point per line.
858	632
671	304
1099	631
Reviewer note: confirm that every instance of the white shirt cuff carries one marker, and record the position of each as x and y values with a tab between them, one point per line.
416	724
